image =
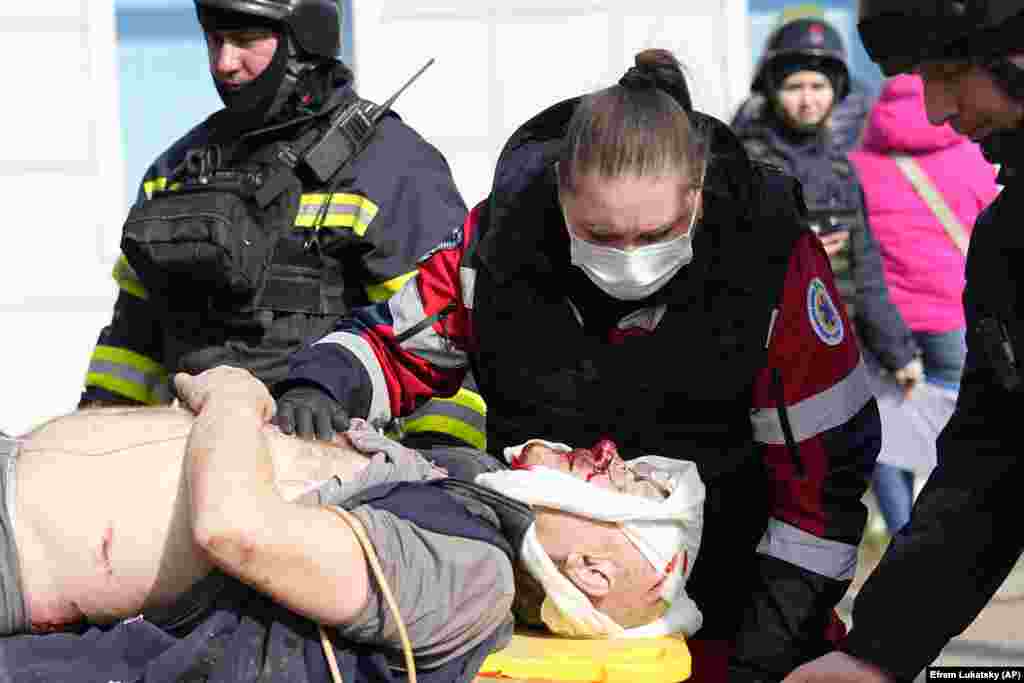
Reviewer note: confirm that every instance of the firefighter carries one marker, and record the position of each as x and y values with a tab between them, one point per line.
259	229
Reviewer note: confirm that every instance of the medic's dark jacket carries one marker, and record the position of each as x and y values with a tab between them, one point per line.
743	363
965	534
279	275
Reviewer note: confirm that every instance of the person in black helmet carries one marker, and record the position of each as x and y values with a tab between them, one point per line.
848	114
802	76
964	534
254	233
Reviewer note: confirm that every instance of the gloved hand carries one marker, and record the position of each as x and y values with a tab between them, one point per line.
909	376
311	413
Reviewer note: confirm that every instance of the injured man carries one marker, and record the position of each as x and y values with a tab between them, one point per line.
159	519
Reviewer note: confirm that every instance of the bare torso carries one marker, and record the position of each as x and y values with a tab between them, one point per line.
102	521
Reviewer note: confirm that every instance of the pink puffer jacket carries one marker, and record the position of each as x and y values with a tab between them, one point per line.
923	268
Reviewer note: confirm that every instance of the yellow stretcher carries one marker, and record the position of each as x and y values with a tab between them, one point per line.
537	658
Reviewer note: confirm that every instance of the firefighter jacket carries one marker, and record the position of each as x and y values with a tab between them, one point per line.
743	363
217	269
835	201
964	536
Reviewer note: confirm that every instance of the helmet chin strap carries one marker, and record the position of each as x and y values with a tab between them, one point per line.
259	102
293	73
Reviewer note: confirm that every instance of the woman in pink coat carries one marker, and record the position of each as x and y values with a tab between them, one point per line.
924	268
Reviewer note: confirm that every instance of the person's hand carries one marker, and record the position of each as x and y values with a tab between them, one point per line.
311	413
909	376
835	241
370	442
224	385
837	667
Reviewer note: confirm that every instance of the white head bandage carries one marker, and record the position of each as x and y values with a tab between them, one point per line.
667	533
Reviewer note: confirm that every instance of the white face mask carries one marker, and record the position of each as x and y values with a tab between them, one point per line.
635	274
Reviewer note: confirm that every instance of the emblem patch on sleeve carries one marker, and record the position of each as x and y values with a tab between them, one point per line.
825	318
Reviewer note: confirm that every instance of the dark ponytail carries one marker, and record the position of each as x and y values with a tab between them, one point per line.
638	127
659	69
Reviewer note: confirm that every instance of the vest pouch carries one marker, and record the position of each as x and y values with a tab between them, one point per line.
206	237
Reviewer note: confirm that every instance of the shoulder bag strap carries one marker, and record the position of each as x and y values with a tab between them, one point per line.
933	198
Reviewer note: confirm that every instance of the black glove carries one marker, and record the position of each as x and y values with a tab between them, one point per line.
311	413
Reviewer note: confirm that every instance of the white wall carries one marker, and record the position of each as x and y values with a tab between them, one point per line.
61	181
499	62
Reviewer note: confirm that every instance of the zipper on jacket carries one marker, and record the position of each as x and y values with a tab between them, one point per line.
426	322
787	428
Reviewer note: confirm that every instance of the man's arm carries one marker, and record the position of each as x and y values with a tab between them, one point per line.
962	541
126	367
411	206
819	433
301	557
387	359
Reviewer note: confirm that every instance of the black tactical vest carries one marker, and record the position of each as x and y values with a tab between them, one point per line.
220	252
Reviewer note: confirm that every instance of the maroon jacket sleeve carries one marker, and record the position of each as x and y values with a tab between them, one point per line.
817	425
386	360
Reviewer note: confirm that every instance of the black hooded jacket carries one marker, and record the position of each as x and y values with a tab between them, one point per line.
965	535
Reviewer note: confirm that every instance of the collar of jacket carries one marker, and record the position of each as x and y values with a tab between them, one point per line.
1006	148
523	204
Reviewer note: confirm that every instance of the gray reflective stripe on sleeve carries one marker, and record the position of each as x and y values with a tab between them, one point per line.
406	309
380	404
145	387
832	408
125	372
451	411
467	278
831	559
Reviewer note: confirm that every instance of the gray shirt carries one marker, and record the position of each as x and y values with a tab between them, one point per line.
452	592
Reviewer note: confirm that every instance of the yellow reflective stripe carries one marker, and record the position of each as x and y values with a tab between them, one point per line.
136	361
468	399
154	185
126	279
346	211
473	408
446	425
127	373
157	185
385	290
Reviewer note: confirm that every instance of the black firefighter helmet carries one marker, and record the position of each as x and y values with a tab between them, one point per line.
314	25
901	35
311	32
802	45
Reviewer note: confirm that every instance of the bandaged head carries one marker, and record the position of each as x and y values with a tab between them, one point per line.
666	532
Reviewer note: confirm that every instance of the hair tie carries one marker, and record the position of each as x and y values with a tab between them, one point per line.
638	79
